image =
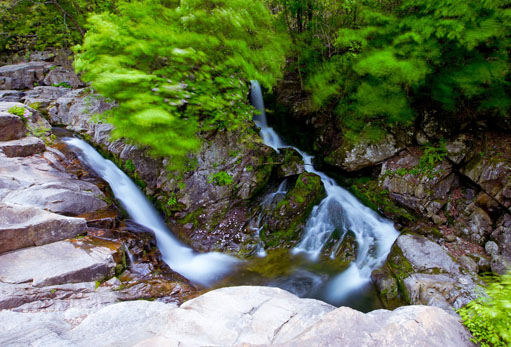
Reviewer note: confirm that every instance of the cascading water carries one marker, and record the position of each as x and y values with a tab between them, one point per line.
201	268
339	211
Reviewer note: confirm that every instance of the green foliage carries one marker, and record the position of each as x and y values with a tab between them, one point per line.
62	84
36	25
17	110
129	166
21	112
172	201
384	62
220	178
179	67
489	316
430	157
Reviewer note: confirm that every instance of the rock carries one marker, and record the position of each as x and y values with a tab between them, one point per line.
60	75
428	275
57	263
460	148
59	298
11	95
22	226
491	248
42	96
68	197
42	56
424	191
285	222
238	316
11	127
353	157
36	123
501	252
292	163
491	168
23	147
405	326
478	225
22	76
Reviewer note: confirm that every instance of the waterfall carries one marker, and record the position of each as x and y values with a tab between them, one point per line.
339	210
201	268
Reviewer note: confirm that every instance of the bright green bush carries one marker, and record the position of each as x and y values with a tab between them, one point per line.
489	317
221	178
175	68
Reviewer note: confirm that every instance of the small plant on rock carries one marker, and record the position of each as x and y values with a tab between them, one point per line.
221	178
21	112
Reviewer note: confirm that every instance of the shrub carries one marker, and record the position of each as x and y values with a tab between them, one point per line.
489	316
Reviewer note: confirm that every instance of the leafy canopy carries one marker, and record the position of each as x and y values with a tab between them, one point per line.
383	62
175	68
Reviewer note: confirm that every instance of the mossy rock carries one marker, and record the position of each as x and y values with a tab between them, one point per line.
285	223
292	163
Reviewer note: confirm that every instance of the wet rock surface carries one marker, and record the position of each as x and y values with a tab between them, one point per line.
238	316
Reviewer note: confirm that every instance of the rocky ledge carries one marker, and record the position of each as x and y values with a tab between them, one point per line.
236	316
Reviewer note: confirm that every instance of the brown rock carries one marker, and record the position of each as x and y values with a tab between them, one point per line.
11	127
23	147
22	226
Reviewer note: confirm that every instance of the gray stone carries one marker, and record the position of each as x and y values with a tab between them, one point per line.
11	95
460	148
353	157
11	127
22	76
83	296
69	197
425	255
42	96
23	147
491	248
61	75
238	316
22	226
57	263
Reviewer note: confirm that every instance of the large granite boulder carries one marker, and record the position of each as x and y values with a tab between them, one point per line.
426	274
238	316
22	226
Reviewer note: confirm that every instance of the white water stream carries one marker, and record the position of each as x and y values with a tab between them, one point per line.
201	268
340	211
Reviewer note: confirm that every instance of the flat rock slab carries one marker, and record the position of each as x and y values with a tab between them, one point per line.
239	316
22	147
84	297
22	226
11	127
66	197
57	263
